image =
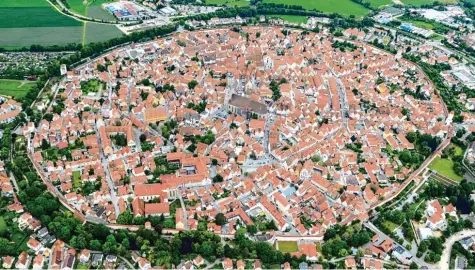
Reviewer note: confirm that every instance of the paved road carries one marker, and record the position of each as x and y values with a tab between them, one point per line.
445	258
111	184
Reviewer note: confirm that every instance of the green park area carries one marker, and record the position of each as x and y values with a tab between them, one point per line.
27	22
391	226
288	246
444	167
345	7
15	88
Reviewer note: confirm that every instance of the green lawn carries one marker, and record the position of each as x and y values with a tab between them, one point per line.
345	7
293	18
288	246
445	168
391	226
379	3
3	226
15	88
20	240
76	179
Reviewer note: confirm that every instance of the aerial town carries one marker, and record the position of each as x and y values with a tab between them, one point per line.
211	140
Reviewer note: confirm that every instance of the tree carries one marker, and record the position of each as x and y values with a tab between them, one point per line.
192	84
413	266
220	219
218	178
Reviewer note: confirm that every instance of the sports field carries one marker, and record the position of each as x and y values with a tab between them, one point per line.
288	246
91	8
345	7
15	88
27	22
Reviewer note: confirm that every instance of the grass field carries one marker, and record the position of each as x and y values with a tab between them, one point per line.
19	240
379	3
3	226
76	179
288	246
345	7
293	18
445	168
390	225
15	88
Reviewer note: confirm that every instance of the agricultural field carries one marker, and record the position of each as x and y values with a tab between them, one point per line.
76	179
444	166
27	22
15	88
345	7
91	8
99	32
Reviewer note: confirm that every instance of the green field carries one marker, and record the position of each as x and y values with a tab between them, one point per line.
20	240
27	22
237	3
23	3
425	2
445	168
293	18
91	9
3	226
345	7
15	88
288	246
100	32
76	179
390	225
379	3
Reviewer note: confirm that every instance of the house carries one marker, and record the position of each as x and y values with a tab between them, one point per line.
22	262
38	262
97	259
84	256
34	245
350	263
198	261
7	262
227	264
